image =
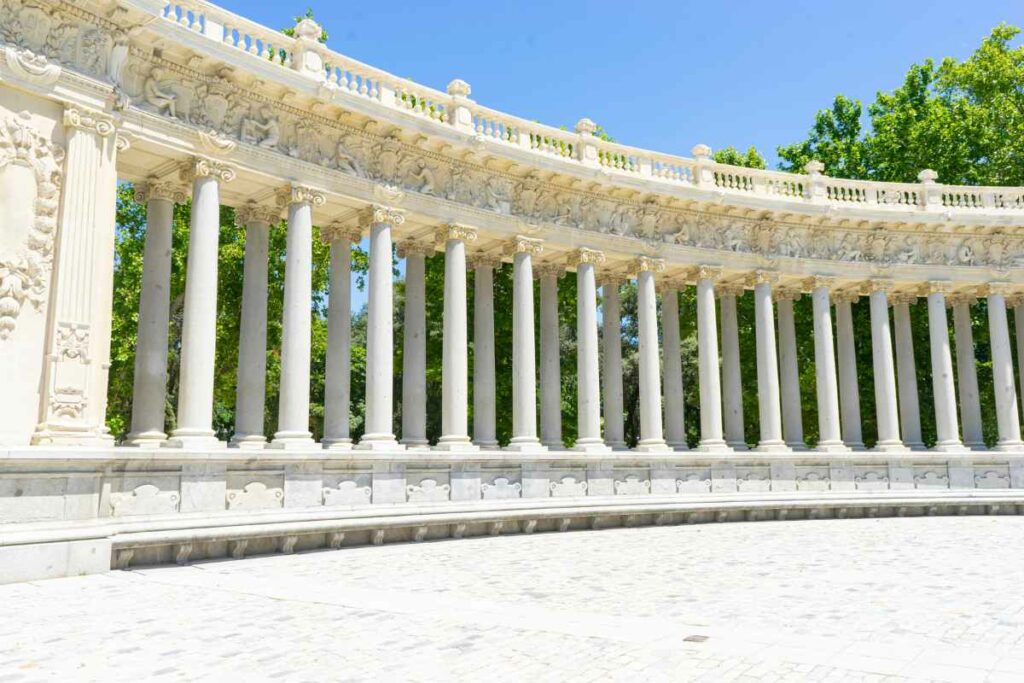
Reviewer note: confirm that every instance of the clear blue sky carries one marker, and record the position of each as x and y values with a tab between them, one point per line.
662	74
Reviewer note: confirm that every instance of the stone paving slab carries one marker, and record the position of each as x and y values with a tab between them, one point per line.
889	599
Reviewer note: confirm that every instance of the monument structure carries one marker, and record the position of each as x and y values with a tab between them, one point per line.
191	102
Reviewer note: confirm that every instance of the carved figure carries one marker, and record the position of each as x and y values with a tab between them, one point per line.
266	133
426	179
155	95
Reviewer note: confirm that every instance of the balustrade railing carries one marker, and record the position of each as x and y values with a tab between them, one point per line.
361	80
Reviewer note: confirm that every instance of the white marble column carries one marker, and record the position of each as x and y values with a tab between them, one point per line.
967	372
886	406
709	379
1018	324
672	368
1007	418
414	344
338	369
732	380
149	387
943	385
297	327
651	437
906	371
484	396
199	329
455	344
251	387
611	339
588	413
789	371
550	349
524	366
827	390
379	434
849	385
768	401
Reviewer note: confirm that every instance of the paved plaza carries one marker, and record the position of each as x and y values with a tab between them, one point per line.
873	600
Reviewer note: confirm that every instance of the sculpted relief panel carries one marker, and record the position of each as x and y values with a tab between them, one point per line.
227	110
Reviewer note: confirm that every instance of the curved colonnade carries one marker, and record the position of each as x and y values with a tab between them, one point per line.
189	101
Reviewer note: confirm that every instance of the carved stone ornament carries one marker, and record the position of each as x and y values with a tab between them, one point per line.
252	212
407	248
455	231
31	67
713	273
377	213
584	255
524	245
300	194
485	260
339	231
214	143
26	252
645	264
154	189
206	168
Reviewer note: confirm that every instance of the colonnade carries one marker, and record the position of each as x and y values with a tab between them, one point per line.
661	391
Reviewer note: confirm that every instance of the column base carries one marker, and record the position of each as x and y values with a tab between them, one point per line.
652	446
976	445
379	442
487	445
291	441
145	439
342	444
591	446
617	445
855	445
46	435
832	447
714	446
194	441
915	445
459	444
950	447
521	444
248	441
553	445
738	446
797	445
772	446
679	445
1009	446
890	447
416	444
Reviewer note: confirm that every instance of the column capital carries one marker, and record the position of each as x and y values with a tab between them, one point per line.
300	194
937	287
414	247
899	298
341	231
846	296
1004	289
201	167
378	213
670	284
732	289
706	272
454	231
647	264
584	255
524	245
483	259
612	278
762	277
155	189
549	269
884	285
818	281
251	212
90	120
787	294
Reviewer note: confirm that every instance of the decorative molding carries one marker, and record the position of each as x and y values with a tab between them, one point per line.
90	120
31	67
214	142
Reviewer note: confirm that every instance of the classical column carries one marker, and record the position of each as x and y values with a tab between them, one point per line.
849	389
886	407
651	438
414	344
732	380
829	434
149	388
943	385
74	389
588	413
967	372
199	328
455	345
1007	418
484	397
380	331
550	370
789	371
338	370
709	380
1018	323
524	367
768	404
906	371
611	339
672	368
251	385
297	326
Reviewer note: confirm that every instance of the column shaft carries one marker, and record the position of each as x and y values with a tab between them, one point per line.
338	370
829	433
455	345
789	375
550	370
732	380
251	388
651	438
524	368
943	386
611	335
886	406
414	348
1018	323
149	388
709	380
672	368
967	375
769	409
588	413
484	412
849	385
1002	374
906	372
